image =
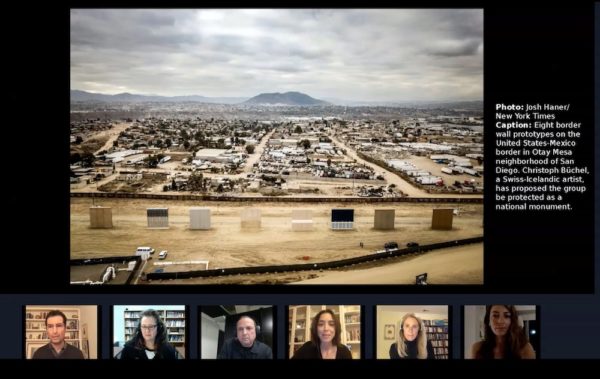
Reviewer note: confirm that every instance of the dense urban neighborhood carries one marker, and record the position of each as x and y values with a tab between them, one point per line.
241	189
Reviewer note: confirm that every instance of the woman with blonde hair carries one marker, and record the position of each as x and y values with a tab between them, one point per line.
411	340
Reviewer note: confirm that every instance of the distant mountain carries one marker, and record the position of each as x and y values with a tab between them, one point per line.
474	104
358	103
77	95
288	98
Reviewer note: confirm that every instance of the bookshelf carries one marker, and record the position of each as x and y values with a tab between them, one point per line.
174	322
35	328
299	320
437	333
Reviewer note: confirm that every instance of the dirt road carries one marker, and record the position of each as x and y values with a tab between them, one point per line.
391	177
258	150
112	134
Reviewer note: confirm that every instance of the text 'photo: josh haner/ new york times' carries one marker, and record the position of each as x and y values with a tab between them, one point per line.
276	146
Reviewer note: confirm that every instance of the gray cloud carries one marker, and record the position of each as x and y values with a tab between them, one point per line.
373	54
453	48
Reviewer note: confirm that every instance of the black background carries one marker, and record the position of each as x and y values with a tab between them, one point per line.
540	55
532	54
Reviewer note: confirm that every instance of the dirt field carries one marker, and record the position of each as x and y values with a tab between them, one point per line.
226	244
456	265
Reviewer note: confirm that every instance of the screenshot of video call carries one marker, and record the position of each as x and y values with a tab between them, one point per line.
282	184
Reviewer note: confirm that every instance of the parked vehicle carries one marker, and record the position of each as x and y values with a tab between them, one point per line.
391	245
412	244
162	254
144	250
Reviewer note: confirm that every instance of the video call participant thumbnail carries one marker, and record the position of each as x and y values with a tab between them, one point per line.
503	337
245	345
57	348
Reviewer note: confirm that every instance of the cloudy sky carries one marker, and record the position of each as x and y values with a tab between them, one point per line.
363	55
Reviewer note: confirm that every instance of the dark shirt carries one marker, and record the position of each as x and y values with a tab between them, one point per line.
67	352
412	350
311	351
131	351
233	349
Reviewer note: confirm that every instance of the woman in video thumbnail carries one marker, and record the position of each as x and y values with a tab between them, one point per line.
504	338
411	340
149	340
325	333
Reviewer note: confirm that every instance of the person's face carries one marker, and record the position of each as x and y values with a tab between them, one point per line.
410	329
149	327
55	327
326	327
246	331
499	320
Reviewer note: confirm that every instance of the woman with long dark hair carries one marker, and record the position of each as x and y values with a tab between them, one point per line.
504	338
325	337
149	340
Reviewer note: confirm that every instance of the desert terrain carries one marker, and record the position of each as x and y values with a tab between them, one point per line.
454	265
227	244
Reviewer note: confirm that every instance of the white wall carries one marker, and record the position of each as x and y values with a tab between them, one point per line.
473	328
393	314
210	335
89	316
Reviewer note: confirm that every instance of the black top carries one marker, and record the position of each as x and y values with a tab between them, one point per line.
131	351
411	350
67	352
311	351
233	349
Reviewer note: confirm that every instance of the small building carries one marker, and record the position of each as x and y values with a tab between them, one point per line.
199	218
342	219
384	219
442	219
101	217
129	175
302	220
213	155
158	217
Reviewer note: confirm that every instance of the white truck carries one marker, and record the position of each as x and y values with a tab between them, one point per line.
142	250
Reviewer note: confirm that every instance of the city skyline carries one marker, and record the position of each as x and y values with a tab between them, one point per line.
386	55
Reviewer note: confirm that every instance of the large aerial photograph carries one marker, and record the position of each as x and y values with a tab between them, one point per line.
276	147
